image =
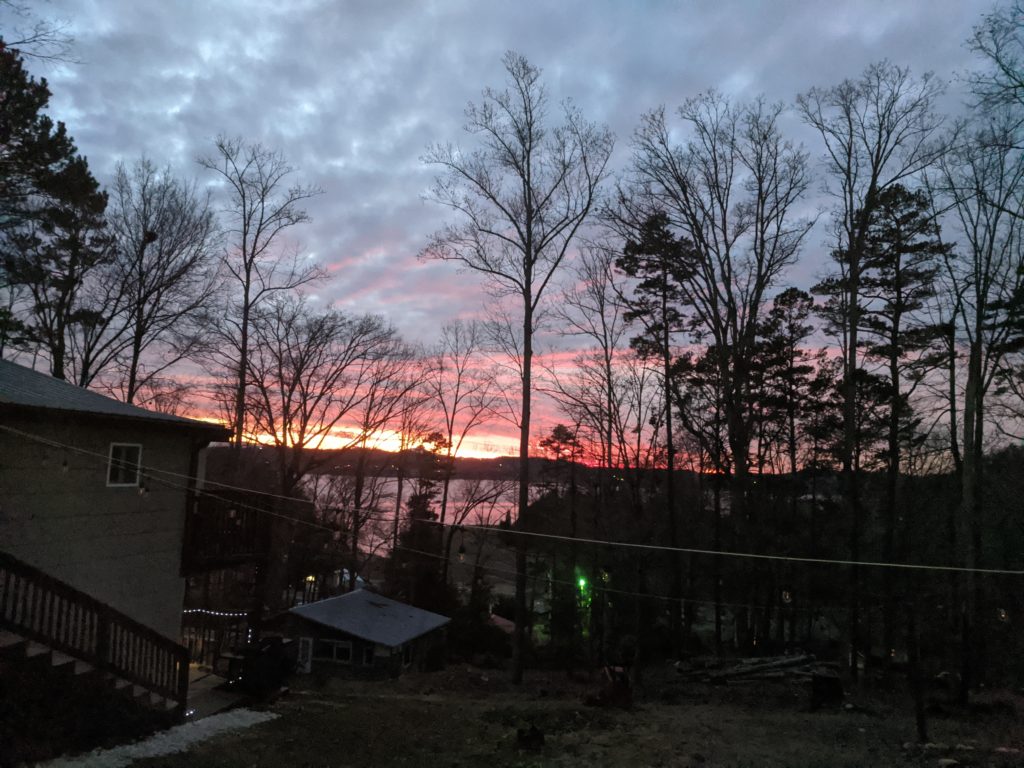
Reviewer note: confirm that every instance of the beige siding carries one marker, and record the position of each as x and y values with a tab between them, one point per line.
121	547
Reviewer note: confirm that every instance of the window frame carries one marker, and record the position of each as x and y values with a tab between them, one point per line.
123	466
335	645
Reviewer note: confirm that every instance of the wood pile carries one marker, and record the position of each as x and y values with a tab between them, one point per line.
760	668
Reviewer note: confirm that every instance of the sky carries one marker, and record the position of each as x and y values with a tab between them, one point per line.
354	92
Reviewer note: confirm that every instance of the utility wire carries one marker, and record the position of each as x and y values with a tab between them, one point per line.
748	555
549	536
504	573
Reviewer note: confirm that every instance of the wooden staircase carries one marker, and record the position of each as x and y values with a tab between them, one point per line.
50	624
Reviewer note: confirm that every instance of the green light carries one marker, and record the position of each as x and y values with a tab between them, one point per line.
583	583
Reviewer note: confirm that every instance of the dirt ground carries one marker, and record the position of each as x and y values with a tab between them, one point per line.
464	716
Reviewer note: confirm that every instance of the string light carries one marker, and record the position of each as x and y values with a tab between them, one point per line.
206	611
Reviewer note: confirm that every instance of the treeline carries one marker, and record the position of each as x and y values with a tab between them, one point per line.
699	355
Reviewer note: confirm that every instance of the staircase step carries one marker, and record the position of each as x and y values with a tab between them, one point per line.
78	667
12	646
59	659
119	683
34	649
9	638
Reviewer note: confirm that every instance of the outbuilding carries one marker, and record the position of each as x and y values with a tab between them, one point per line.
363	634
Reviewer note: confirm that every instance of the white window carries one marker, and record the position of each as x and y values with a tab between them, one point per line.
339	651
124	464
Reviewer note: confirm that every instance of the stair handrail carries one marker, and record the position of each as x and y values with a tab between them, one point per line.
45	609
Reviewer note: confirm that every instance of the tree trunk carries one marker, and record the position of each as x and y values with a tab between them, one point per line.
398	501
676	569
969	514
891	495
243	363
519	636
917	685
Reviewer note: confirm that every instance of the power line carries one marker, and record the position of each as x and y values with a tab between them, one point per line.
504	573
747	555
509	576
549	536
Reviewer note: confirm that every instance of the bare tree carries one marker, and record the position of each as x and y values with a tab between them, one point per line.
413	431
592	309
999	40
878	130
521	198
335	498
393	375
461	390
310	372
477	497
731	190
32	36
260	208
983	181
639	418
727	198
165	238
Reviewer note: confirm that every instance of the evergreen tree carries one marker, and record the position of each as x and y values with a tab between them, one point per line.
62	246
902	259
32	148
787	369
659	261
415	576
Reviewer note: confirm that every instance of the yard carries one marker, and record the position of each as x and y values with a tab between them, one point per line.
465	716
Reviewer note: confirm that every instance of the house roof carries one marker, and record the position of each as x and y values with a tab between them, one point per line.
21	387
371	617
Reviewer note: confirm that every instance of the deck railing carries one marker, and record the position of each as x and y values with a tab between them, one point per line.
39	607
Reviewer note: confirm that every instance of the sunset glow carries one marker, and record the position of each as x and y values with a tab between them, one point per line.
485	446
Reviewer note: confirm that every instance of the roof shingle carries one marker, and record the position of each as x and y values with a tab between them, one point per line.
24	388
372	617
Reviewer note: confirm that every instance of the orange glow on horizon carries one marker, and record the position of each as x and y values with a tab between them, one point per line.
484	446
491	446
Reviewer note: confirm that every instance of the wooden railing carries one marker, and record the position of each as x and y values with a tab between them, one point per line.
39	607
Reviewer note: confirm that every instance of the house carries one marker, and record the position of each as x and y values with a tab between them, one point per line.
94	492
363	634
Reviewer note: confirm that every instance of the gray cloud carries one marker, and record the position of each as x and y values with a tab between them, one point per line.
353	92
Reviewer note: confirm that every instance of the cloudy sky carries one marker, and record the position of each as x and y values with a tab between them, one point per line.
353	92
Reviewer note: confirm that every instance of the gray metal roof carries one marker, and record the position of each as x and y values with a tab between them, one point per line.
371	617
22	387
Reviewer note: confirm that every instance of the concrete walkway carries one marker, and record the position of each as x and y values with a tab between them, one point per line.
204	698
